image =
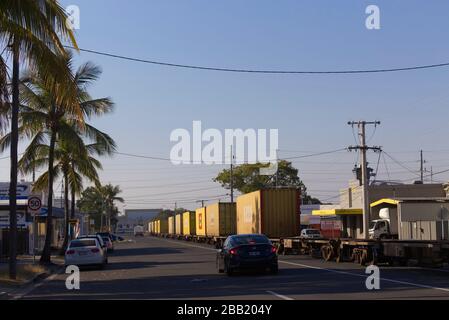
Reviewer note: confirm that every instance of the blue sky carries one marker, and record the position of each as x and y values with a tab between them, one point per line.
310	111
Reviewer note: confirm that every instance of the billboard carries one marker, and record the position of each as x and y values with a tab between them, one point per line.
23	190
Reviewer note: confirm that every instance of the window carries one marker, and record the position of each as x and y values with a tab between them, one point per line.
253	239
83	243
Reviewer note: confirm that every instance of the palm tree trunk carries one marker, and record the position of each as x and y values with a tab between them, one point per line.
46	253
73	204
67	214
13	171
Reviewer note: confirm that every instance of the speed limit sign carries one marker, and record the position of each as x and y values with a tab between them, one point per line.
34	205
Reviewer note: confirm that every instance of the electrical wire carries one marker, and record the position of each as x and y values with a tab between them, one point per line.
222	69
316	154
401	164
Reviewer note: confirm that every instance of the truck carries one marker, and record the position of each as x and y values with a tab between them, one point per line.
139	231
387	226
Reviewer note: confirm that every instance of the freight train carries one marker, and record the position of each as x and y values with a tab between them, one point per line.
276	213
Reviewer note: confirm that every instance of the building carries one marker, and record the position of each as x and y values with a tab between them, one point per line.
32	229
350	209
135	217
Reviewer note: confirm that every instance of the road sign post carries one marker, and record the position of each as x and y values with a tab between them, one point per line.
34	208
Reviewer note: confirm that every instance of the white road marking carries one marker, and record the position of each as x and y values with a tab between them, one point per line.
279	295
364	276
334	271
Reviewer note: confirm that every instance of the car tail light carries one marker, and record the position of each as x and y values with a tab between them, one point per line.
95	250
274	249
233	251
70	252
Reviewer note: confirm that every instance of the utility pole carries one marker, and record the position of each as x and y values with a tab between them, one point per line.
363	161
431	174
232	176
202	203
422	169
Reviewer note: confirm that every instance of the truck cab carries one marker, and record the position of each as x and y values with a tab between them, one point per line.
386	227
379	229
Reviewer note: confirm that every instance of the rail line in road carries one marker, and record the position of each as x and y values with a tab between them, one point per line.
330	270
159	268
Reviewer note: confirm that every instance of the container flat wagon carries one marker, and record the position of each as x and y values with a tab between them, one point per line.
393	252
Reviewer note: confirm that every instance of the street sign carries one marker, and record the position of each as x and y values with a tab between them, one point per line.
22	192
34	205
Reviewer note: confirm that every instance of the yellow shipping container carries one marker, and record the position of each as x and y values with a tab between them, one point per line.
273	212
171	225
188	223
200	221
221	219
157	226
163	226
178	223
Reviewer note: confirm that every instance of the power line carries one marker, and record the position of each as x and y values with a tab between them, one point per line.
316	154
401	164
222	69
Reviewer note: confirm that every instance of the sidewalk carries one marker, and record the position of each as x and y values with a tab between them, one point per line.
28	274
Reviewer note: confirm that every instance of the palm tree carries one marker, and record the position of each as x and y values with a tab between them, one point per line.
55	110
28	27
73	164
110	196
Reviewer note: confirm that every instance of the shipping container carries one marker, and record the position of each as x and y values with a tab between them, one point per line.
188	223
221	219
178	223
273	212
200	221
163	226
171	225
150	226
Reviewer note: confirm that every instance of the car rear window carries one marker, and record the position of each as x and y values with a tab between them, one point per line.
242	240
83	243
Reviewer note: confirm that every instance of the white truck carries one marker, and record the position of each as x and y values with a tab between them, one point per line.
386	227
138	231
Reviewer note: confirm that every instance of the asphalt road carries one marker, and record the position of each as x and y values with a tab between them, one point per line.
154	268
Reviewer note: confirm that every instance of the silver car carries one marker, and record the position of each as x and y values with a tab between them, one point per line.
85	252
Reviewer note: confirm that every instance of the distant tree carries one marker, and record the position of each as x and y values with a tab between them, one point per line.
247	178
99	202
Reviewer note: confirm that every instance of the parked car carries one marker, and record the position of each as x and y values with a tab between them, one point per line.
100	241
310	234
109	244
85	252
105	234
116	238
251	251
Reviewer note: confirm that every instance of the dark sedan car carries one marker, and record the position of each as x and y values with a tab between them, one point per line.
247	252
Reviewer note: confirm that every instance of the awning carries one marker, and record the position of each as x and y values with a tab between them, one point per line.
337	212
384	201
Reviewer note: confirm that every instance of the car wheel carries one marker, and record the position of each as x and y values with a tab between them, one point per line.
229	271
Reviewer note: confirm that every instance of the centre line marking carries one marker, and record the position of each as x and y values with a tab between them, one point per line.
280	296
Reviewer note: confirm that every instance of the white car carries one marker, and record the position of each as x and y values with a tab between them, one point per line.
84	252
310	234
